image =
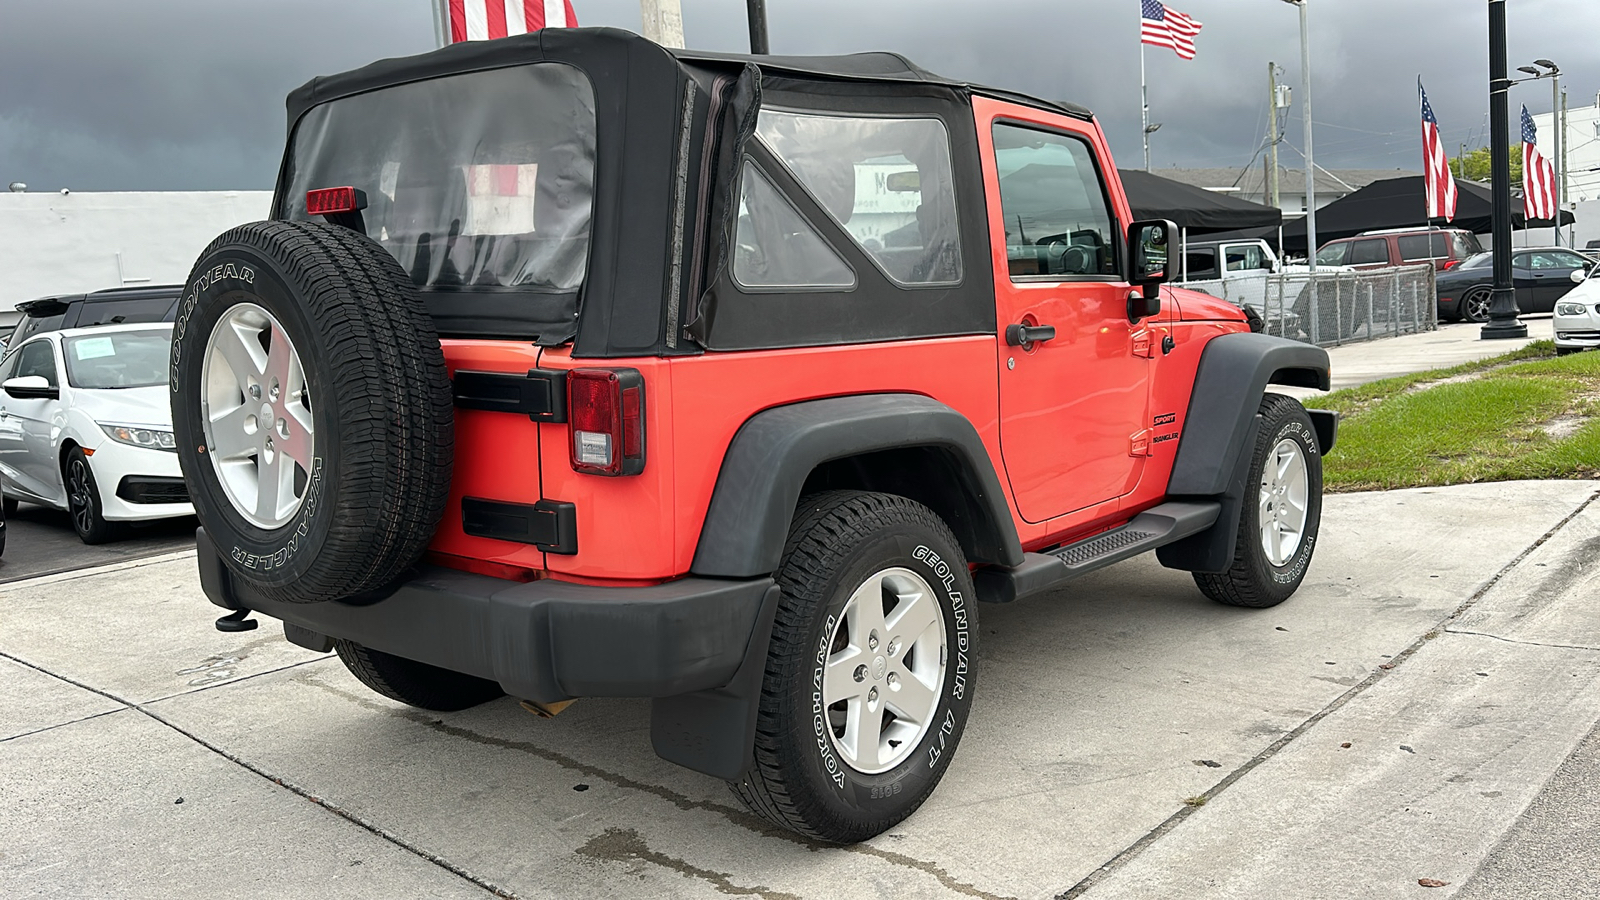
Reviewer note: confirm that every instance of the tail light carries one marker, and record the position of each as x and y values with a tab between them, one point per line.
1450	264
605	410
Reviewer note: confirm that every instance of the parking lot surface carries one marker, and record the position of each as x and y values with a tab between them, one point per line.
40	541
1129	739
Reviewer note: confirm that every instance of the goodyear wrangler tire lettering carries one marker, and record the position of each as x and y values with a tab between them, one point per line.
312	410
1281	515
869	675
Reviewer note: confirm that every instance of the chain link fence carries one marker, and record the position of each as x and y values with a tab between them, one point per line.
1332	308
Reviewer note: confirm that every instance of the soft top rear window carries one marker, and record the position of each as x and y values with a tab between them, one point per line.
477	181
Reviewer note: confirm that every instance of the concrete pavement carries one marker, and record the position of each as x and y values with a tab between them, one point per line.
1100	710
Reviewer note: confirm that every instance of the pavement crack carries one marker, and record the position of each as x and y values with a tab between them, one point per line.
1525	643
1133	851
737	816
109	712
625	844
347	815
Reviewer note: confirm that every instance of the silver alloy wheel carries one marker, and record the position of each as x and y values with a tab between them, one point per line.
884	671
1285	489
256	415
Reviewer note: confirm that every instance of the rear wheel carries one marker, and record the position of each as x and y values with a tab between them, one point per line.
414	683
869	674
83	501
1279	522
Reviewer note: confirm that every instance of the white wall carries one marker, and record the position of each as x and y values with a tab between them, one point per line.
53	243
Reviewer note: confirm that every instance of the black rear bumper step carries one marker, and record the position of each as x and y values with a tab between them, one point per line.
1150	529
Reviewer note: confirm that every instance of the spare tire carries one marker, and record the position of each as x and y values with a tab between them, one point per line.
311	409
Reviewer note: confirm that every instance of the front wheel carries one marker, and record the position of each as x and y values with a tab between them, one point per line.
1278	525
83	501
869	675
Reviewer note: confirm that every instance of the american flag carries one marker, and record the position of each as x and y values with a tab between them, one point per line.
1441	185
482	20
1166	27
1538	175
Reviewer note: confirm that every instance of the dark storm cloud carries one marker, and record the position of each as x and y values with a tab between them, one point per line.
172	94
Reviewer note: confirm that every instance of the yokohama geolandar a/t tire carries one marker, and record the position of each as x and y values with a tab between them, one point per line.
311	408
1281	514
869	675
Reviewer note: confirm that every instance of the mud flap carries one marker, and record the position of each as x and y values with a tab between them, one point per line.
714	731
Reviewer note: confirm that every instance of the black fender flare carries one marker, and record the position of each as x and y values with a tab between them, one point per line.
1234	372
1220	427
771	456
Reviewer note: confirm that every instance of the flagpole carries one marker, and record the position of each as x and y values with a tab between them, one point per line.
439	35
1144	106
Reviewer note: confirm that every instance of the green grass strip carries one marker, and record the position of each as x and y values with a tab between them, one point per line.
1495	424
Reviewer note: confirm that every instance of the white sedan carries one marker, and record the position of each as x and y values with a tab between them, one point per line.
85	426
1577	315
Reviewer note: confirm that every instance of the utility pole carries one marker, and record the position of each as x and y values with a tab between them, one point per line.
663	21
1272	136
1503	312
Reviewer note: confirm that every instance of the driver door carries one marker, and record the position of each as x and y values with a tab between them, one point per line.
1073	404
27	451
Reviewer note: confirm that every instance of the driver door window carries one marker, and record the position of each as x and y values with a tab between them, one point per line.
37	359
1057	221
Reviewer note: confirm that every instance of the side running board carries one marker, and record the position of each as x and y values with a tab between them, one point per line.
1042	571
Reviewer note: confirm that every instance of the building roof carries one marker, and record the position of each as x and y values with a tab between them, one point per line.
1289	180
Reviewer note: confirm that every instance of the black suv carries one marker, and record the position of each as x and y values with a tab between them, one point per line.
113	306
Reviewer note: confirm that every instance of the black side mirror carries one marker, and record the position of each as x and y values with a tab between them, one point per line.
1150	260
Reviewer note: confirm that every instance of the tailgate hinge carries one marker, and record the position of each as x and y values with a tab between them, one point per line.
541	395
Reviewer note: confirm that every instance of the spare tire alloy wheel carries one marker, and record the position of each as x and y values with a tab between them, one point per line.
312	411
256	416
869	674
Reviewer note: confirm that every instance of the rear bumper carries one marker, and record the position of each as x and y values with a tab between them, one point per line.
541	640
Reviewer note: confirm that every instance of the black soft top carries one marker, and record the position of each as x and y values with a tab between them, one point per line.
671	132
556	43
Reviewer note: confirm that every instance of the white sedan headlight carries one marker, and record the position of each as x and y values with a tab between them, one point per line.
140	436
1569	309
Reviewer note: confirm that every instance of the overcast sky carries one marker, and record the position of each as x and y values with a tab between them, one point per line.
188	94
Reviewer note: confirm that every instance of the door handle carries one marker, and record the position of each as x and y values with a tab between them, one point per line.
1018	335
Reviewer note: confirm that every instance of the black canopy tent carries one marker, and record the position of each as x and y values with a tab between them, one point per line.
1401	203
1194	209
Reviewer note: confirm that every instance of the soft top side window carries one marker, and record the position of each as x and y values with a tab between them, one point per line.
1057	219
887	181
775	248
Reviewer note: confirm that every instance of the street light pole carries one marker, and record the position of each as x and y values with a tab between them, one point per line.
1311	168
1555	129
1503	322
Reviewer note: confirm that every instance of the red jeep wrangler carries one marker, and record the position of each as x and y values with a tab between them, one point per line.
571	366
